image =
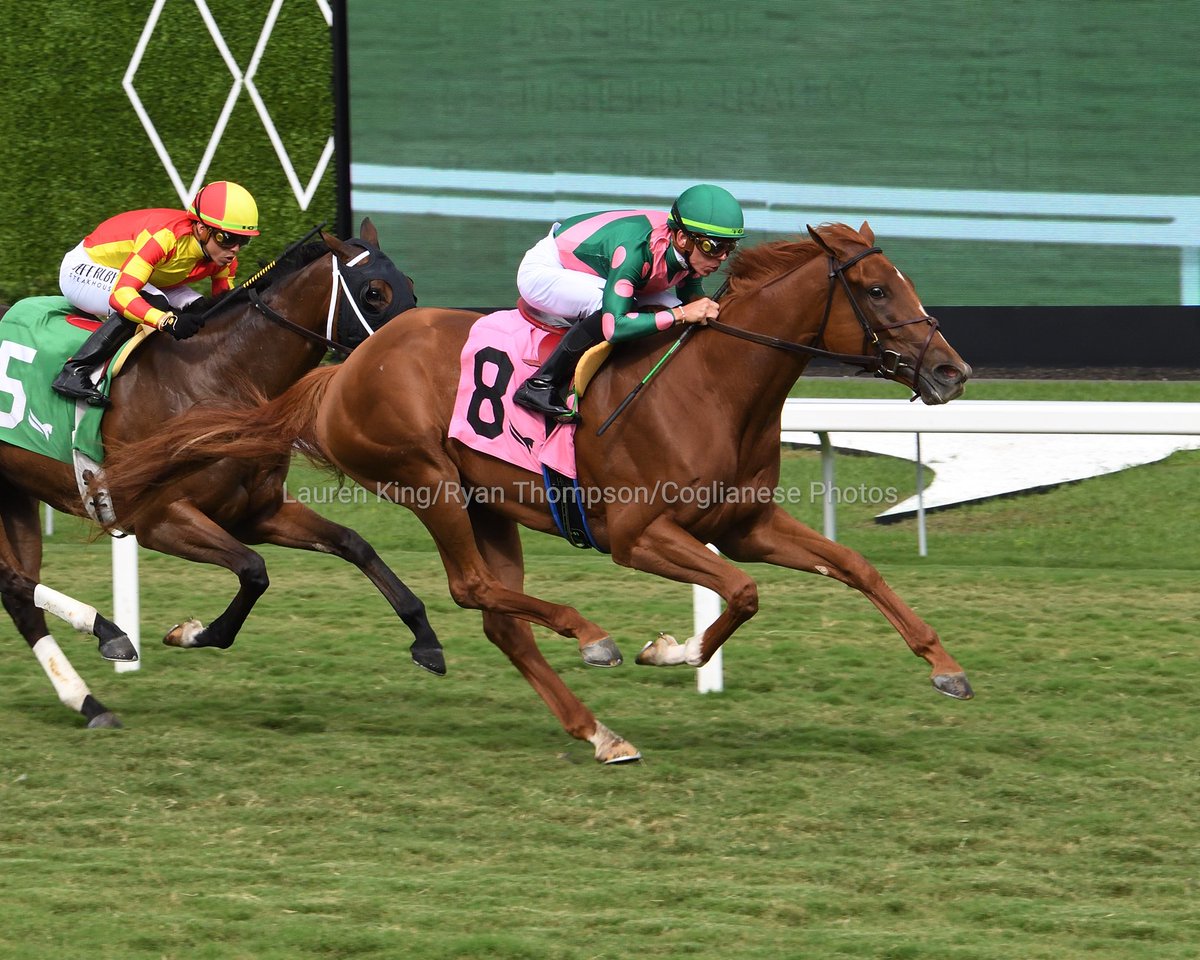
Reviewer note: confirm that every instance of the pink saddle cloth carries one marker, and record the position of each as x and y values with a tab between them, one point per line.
501	352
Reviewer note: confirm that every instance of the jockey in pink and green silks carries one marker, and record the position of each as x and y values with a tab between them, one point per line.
599	270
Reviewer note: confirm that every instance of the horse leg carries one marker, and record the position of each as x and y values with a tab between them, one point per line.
500	545
780	539
185	531
472	583
665	549
21	549
295	525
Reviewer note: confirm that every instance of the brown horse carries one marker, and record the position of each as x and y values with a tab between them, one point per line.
259	342
709	422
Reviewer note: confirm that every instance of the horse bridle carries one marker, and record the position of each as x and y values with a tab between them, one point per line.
884	363
341	295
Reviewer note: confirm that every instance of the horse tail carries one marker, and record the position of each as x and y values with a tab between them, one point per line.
209	433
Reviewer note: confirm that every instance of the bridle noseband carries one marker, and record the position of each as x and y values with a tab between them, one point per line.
882	363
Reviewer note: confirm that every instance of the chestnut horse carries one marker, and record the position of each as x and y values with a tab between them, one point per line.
259	342
710	422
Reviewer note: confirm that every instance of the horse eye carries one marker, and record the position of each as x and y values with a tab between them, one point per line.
373	294
876	293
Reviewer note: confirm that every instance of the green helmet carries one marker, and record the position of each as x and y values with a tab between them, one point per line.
708	210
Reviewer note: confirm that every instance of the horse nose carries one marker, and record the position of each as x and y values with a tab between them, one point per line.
953	372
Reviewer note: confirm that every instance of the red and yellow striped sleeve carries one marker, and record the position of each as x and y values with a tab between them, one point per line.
223	281
149	249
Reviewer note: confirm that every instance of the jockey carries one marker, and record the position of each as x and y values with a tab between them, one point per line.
135	268
595	270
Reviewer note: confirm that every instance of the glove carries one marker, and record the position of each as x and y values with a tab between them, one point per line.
179	327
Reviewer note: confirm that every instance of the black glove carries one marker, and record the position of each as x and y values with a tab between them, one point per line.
179	327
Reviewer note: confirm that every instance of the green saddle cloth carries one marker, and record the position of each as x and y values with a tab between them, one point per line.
35	341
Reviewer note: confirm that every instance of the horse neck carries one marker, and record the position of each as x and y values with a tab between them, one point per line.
248	344
789	309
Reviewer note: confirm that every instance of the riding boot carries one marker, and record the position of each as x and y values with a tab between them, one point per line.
74	381
543	391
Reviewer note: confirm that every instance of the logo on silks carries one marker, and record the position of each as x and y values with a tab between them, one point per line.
304	192
45	429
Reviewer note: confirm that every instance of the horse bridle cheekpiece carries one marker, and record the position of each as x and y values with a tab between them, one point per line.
882	363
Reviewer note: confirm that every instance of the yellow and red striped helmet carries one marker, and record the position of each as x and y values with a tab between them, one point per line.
227	206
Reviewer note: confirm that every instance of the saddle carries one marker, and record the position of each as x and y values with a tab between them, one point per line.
37	336
589	364
500	353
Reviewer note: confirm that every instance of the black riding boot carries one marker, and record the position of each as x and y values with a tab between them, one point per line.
73	381
543	391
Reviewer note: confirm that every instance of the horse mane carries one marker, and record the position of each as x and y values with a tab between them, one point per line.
754	267
289	263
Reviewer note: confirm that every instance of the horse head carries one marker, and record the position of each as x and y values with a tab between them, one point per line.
373	288
882	318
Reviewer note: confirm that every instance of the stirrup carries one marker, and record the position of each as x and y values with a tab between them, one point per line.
76	386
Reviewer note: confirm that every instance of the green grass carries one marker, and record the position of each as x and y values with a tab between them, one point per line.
310	794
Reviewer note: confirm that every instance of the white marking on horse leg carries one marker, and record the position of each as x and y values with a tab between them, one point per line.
693	650
663	651
611	748
77	614
68	684
822	570
184	634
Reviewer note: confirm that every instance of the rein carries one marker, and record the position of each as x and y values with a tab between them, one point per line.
280	320
339	294
883	363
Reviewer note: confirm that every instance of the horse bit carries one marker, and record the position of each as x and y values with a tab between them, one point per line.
884	363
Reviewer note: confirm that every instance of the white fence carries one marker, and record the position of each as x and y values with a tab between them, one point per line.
1139	220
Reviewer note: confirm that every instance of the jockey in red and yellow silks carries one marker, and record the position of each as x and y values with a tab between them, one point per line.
138	266
598	269
155	248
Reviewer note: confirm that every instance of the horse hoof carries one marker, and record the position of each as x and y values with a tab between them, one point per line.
953	685
664	650
602	653
612	748
106	720
184	634
432	660
119	649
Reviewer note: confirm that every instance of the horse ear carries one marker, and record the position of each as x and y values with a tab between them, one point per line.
336	245
820	241
368	232
867	232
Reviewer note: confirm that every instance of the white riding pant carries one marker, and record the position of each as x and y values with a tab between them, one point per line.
546	284
88	285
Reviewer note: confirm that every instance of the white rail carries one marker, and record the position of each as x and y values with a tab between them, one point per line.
991	416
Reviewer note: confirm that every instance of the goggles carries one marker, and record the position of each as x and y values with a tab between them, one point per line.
229	241
711	246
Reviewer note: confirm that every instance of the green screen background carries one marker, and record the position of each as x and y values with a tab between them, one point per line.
1085	96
